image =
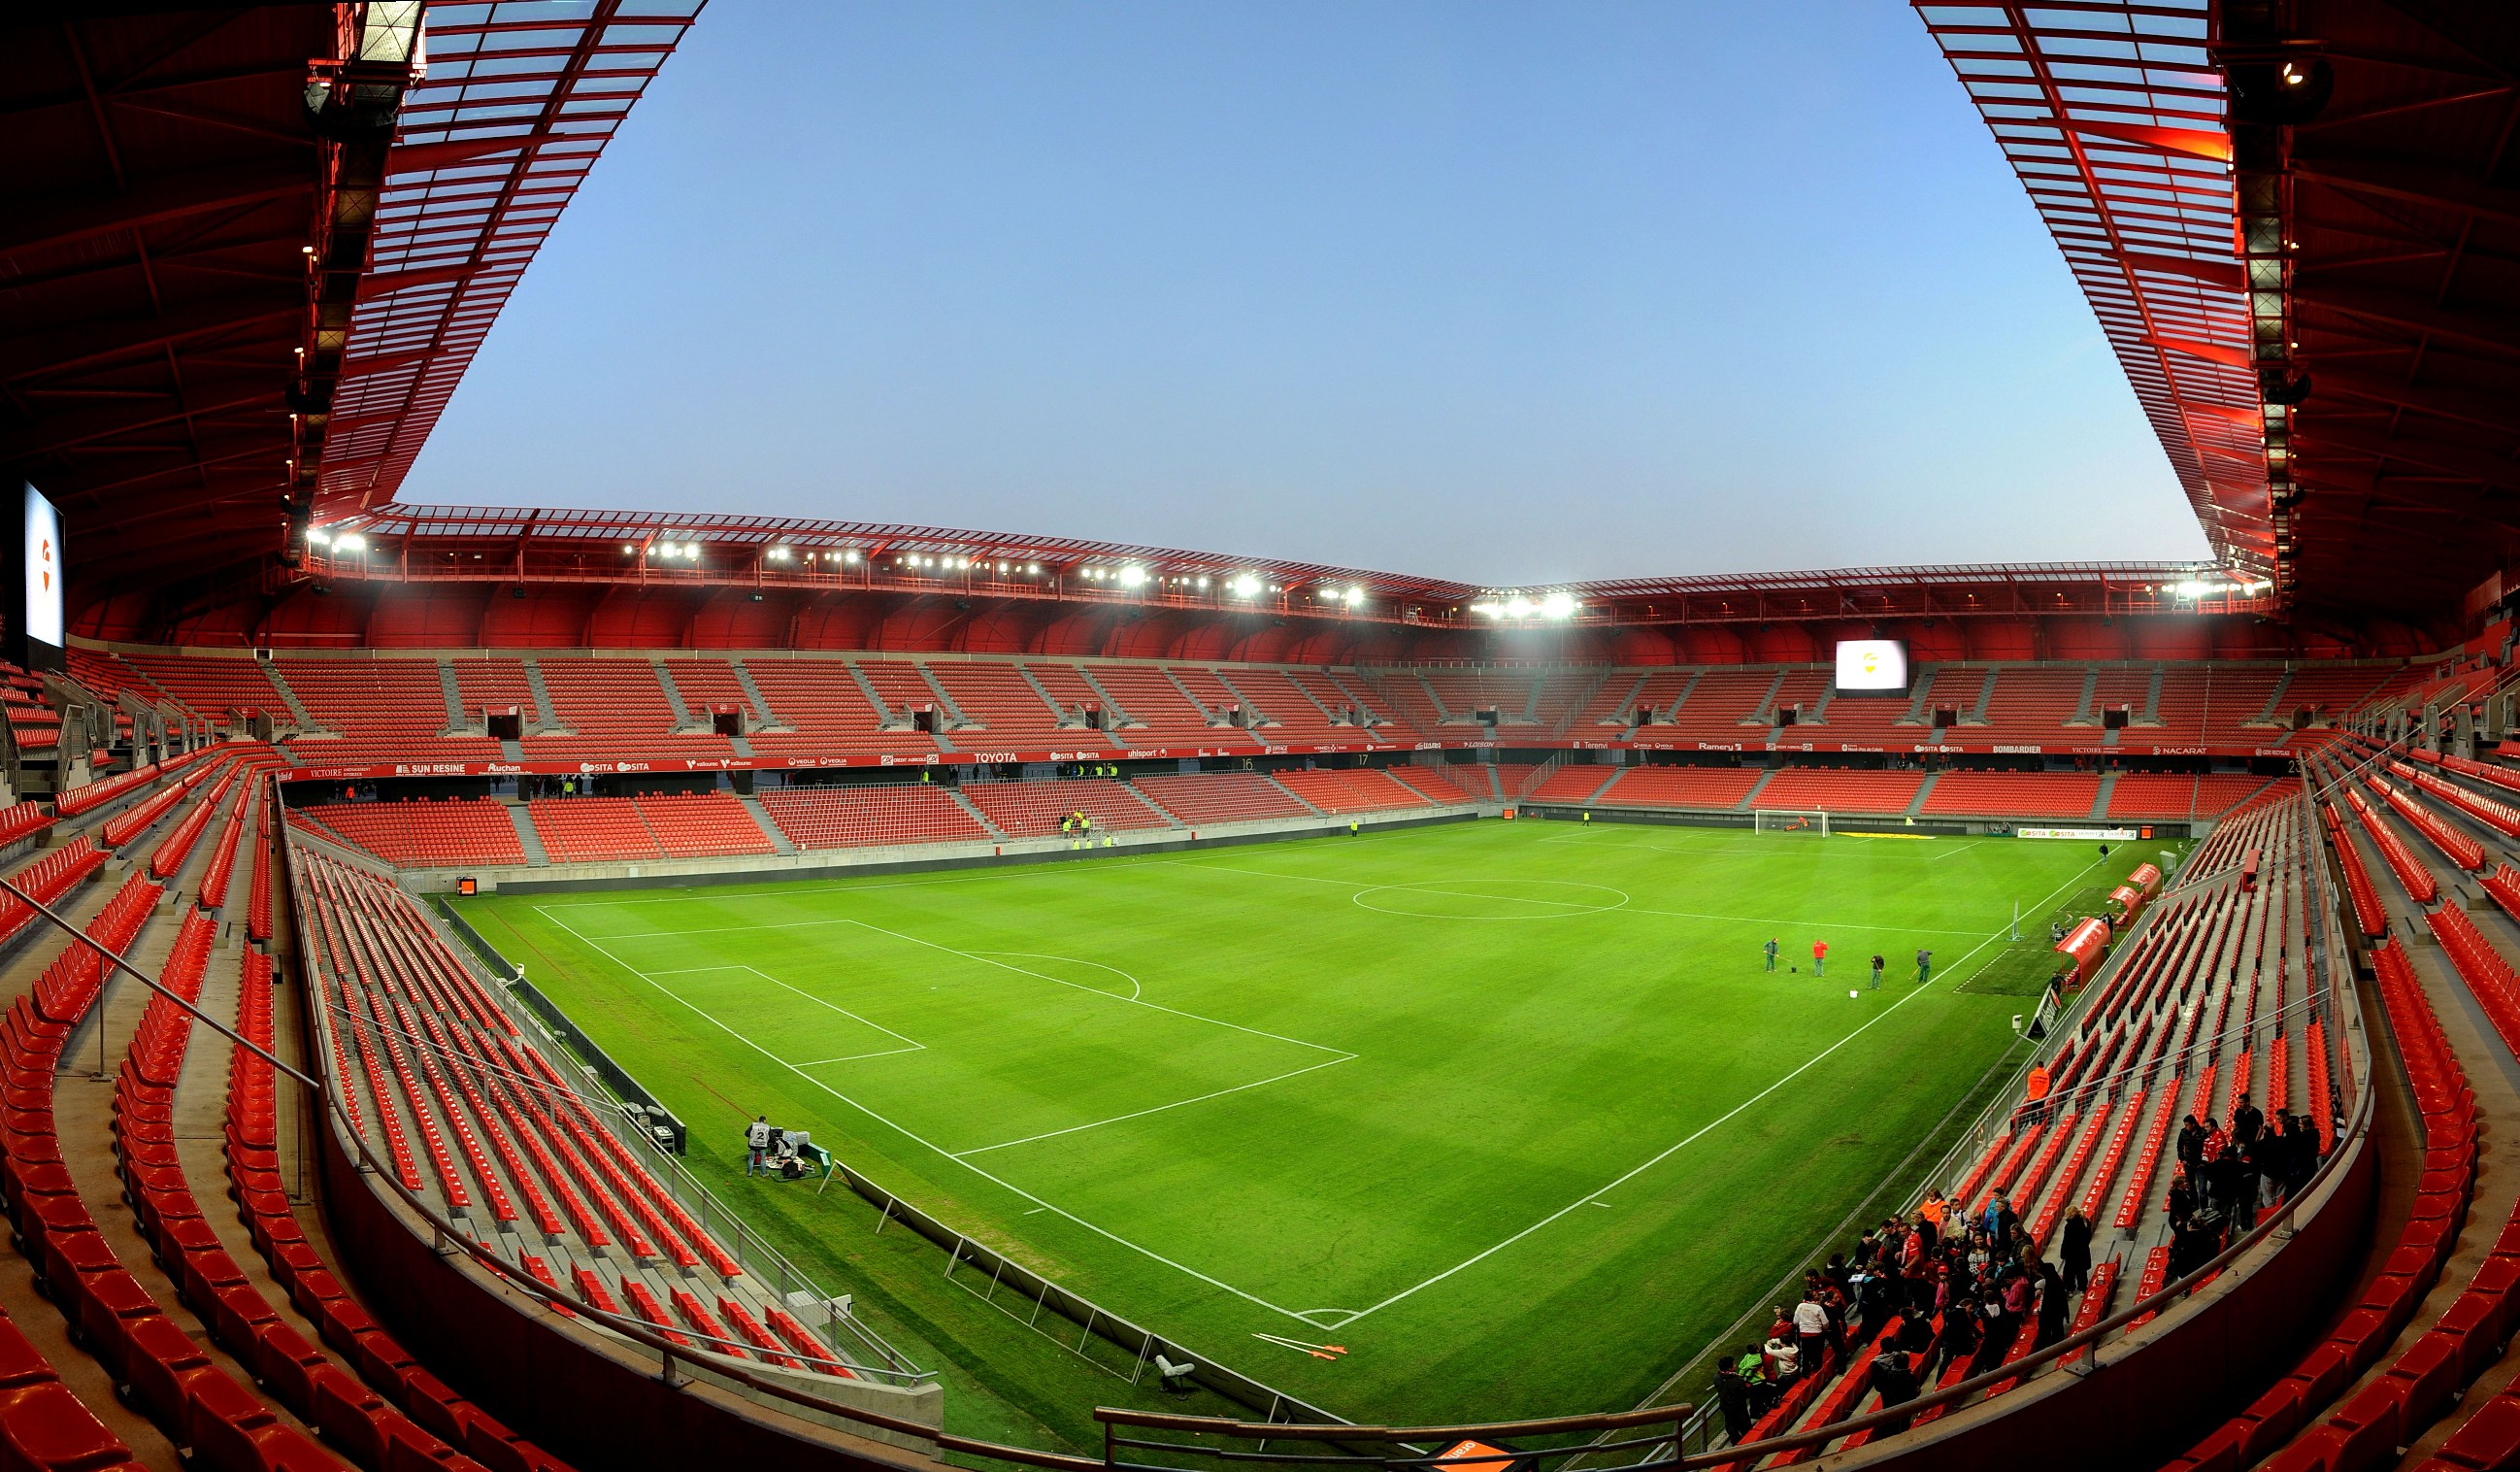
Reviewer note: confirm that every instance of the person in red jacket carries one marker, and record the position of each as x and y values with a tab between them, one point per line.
1820	953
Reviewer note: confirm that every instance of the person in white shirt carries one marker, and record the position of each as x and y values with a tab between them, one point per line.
1810	1328
756	1144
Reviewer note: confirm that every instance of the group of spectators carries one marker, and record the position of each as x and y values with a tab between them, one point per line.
1962	1287
2226	1175
1981	1276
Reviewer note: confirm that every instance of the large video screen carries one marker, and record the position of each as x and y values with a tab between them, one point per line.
35	626
1872	667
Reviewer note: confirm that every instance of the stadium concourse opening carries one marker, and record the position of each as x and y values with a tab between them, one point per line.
532	990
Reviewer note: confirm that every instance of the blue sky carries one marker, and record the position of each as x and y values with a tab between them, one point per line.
1503	291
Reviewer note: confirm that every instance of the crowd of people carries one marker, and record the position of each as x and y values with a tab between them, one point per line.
1962	1288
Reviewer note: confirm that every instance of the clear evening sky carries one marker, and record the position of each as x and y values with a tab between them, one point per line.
1510	292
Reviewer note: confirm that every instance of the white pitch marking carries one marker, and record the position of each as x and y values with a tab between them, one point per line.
921	1140
1137	1114
1692	1139
1136	990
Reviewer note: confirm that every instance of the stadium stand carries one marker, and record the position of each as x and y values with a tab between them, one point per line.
1351	790
848	817
1819	788
825	713
1221	797
1720	788
2058	795
614	709
592	830
424	834
707	824
1033	809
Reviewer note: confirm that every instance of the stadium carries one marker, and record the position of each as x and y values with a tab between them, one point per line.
533	989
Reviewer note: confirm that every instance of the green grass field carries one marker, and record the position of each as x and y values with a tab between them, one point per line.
1509	1111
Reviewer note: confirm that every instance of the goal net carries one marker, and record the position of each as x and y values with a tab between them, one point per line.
1790	820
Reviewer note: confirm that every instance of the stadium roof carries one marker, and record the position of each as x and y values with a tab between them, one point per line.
426	544
2298	225
228	276
232	300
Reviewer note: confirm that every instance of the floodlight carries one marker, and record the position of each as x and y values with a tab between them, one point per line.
1244	587
351	542
1517	607
1131	576
1355	596
1489	607
1032	569
1557	606
779	554
319	538
1202	581
849	554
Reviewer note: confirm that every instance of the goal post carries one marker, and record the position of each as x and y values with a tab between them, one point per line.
1809	822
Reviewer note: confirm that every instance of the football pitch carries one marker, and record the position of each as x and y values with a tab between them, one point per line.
1511	1113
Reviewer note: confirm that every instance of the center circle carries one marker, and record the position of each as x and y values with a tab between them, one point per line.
1490	899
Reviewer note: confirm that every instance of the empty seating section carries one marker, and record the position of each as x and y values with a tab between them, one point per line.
592	830
2324	697
33	725
707	686
1718	787
1561	695
2120	689
615	710
1722	700
426	835
2153	795
488	686
902	688
1653	698
1221	798
1802	692
847	817
1351	790
1462	695
1157	709
2031	705
1033	809
1461	782
1212	693
1409	695
384	709
2229	705
453	1097
2058	795
218	688
1574	782
1868	792
705	824
1344	692
1068	693
1291	714
1002	702
824	710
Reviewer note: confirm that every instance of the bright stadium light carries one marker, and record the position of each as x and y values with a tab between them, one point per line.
1032	569
1355	596
849	554
779	554
1517	607
1244	587
1202	581
1489	607
1133	576
319	538
1557	606
351	542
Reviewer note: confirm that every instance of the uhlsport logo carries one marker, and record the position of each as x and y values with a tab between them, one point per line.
1872	662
